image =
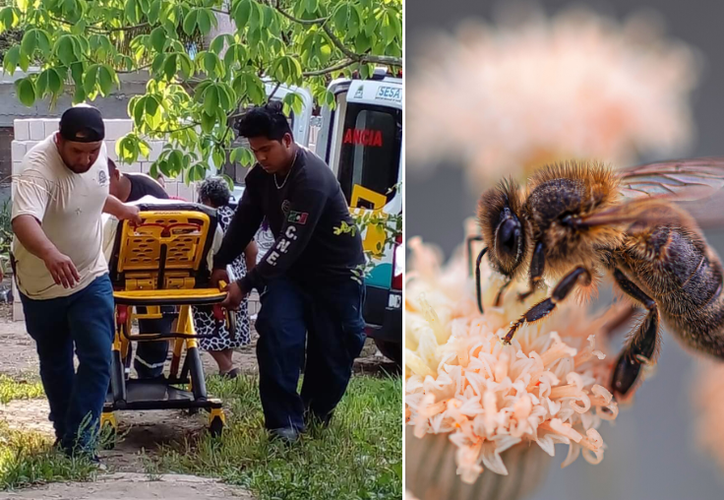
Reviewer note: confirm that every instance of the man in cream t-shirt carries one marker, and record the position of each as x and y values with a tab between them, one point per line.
61	273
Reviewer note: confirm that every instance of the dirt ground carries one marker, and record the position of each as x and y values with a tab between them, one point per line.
134	486
143	432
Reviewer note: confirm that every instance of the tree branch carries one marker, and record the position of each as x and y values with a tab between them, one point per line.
321	20
331	69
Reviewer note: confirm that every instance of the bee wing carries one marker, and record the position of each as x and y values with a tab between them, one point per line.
676	180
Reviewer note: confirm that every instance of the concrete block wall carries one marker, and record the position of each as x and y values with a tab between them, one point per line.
28	132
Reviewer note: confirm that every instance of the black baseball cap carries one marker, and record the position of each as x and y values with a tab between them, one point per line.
82	124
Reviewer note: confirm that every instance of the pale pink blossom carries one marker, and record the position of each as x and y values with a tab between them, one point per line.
503	99
547	387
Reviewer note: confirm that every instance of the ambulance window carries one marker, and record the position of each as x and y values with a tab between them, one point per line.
370	152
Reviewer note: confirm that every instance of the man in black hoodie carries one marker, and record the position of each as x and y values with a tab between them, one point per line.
305	281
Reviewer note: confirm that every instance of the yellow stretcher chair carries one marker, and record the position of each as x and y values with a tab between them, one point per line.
163	262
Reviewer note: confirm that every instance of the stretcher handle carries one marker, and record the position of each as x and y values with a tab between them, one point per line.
167	227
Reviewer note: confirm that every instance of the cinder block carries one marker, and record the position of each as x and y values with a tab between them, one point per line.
171	188
133	167
50	125
186	192
115	129
156	149
22	130
146	166
17	165
37	130
18	150
18	313
111	150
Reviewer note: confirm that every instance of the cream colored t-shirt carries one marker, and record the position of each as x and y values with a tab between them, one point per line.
69	207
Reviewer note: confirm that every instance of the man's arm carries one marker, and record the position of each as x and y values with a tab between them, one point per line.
120	210
305	210
31	235
250	253
241	230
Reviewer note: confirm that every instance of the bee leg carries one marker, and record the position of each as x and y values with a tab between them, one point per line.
470	251
545	307
478	286
499	297
537	265
642	345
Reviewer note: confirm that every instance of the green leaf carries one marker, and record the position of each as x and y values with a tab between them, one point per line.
26	91
154	12
196	173
255	88
363	42
355	20
158	64
211	100
205	20
106	78
229	181
311	6
219	158
65	50
9	17
242	13
217	45
341	16
131	11
186	65
12	59
169	67
91	79
139	111
143	147
256	17
208	121
190	21
294	102
159	39
49	81
153	115
29	42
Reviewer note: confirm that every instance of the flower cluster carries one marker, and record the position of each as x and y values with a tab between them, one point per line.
548	386
579	85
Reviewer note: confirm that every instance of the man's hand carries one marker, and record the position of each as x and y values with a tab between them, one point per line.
61	268
234	296
219	275
131	213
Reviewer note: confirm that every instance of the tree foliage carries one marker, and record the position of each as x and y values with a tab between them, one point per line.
195	91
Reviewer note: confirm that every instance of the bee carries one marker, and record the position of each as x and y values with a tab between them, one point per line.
575	222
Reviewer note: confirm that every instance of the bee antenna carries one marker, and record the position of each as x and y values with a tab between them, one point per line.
477	279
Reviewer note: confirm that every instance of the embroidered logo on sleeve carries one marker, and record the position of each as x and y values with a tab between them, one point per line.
297	217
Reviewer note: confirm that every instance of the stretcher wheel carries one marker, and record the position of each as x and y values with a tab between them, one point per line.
216	426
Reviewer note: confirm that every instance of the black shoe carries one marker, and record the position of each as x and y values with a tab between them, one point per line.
286	435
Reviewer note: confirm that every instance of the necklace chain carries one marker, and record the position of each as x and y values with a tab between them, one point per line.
287	176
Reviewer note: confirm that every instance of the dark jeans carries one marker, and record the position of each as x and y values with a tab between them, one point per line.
329	317
84	320
151	356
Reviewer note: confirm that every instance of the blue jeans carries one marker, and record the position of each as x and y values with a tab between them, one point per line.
84	320
329	319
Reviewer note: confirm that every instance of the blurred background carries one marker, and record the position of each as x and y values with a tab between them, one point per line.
492	91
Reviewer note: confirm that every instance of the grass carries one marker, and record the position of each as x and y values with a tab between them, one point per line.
358	457
27	458
11	389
